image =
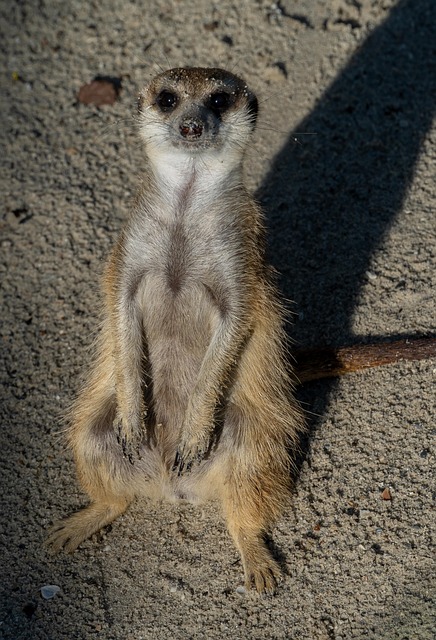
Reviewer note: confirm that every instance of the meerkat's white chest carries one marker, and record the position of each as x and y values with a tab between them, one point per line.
181	227
200	176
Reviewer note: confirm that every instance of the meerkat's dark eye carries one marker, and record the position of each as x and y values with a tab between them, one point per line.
219	101
166	100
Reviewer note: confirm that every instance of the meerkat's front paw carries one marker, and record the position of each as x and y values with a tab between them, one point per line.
130	437
191	451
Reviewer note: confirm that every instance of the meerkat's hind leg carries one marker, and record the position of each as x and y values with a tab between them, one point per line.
261	571
103	472
251	508
68	534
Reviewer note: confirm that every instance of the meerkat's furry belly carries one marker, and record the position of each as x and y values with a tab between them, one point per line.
178	327
178	324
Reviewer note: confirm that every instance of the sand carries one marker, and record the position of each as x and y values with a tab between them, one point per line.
343	162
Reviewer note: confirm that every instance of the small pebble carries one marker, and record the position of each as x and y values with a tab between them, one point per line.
49	591
241	590
386	494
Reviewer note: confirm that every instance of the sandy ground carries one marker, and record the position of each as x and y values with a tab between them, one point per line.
351	217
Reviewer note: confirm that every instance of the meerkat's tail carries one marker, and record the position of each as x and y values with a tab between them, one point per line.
329	362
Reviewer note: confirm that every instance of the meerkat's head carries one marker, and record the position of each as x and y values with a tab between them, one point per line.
196	112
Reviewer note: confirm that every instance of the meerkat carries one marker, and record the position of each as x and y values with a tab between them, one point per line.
190	396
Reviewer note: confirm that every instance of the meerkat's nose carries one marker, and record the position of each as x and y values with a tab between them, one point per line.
191	129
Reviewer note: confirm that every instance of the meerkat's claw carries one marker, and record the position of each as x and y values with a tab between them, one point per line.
177	462
186	457
181	464
129	451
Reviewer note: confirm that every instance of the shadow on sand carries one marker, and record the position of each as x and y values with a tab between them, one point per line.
331	200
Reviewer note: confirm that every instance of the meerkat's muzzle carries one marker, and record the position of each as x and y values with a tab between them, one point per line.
191	129
198	124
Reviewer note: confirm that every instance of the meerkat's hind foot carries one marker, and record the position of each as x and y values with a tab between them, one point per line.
261	572
247	526
69	533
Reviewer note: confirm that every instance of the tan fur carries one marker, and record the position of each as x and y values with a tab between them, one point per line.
189	397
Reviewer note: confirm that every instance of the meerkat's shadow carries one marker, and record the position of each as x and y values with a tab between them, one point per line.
330	200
